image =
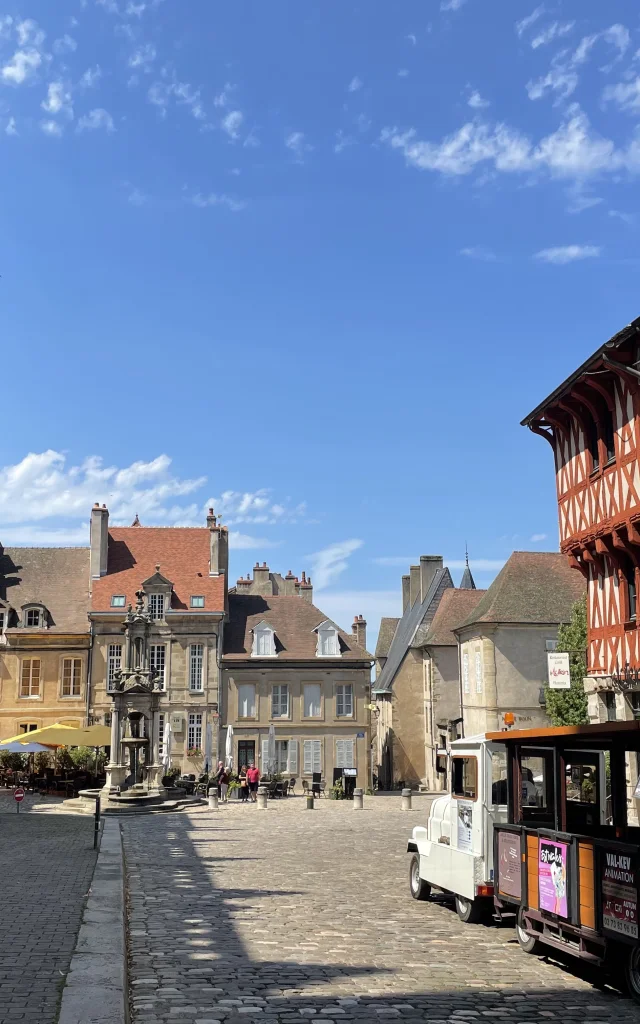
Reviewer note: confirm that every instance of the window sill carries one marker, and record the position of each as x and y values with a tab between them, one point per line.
248	718
194	693
30	697
70	696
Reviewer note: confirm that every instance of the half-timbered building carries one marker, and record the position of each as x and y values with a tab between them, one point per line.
592	422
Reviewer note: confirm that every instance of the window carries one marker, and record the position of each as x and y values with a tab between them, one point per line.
464	777
344	701
114	661
197	601
117	600
608	437
609	701
593	444
478	671
196	656
312	700
280	702
1	622
499	778
157	653
107	718
465	671
71	677
27	726
160	736
328	642
33	617
30	680
246	752
629	581
264	642
312	750
345	754
246	700
282	756
156	606
537	783
551	645
194	732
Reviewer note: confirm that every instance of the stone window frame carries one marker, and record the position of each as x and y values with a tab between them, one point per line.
30	696
71	696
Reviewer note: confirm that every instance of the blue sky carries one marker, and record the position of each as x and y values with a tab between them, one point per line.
314	261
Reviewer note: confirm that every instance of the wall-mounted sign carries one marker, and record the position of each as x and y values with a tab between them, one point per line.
465	817
360	735
509	864
619	888
552	876
558	670
177	723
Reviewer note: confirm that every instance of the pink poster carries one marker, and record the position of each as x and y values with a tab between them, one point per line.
552	876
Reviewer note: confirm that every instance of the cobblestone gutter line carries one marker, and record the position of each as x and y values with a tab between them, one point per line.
96	984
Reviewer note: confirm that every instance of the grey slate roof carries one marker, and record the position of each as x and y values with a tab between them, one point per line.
388	627
406	630
467	582
57	578
455	606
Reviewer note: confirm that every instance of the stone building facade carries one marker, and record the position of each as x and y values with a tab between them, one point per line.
286	664
44	638
181	575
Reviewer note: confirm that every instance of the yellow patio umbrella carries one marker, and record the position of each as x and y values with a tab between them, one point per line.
58	735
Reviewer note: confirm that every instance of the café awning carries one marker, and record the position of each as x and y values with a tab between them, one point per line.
57	735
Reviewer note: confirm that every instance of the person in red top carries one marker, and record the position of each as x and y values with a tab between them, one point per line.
253	778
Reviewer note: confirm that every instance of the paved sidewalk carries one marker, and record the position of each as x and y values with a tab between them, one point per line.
46	865
247	915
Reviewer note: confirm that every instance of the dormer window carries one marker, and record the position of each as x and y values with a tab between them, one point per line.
197	601
328	641
264	641
117	600
156	606
34	617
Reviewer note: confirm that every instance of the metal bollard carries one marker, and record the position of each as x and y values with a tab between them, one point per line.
213	800
406	799
96	823
358	799
262	798
310	802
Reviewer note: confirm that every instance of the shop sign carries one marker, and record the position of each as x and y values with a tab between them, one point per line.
619	891
552	876
558	670
509	864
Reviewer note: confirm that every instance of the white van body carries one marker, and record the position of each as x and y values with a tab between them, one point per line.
456	848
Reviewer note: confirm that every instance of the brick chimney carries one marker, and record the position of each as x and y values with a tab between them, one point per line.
414	584
261	580
405	593
290	584
429	565
359	629
218	546
99	541
305	589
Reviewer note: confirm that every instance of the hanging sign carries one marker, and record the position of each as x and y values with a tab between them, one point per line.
558	671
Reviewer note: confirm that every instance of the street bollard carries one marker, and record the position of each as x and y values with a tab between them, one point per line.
96	823
213	799
358	799
406	799
310	802
262	798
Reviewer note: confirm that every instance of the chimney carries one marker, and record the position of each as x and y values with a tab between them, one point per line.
218	546
405	593
290	584
414	584
360	631
429	565
305	589
99	541
261	580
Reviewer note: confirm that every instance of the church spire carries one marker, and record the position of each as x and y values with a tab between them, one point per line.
467	582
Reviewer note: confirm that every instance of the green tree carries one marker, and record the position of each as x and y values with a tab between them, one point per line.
569	707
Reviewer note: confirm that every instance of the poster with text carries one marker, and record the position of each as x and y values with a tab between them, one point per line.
509	864
465	817
552	876
619	888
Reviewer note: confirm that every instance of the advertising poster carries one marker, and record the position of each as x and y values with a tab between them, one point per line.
465	814
552	876
509	864
619	887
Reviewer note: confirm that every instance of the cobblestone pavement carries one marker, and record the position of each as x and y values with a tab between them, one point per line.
253	916
46	865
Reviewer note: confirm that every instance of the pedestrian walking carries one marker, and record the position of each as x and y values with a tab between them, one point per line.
224	784
244	783
253	778
216	777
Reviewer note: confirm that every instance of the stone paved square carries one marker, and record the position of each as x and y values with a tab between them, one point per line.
286	914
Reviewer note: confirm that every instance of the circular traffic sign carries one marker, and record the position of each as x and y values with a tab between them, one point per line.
18	795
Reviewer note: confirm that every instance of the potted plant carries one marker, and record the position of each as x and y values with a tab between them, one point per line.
194	752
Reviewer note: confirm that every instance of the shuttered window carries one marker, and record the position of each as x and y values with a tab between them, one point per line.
293	757
30	678
344	701
282	756
280	702
345	754
71	677
312	752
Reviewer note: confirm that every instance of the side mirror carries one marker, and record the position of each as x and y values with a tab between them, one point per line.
441	764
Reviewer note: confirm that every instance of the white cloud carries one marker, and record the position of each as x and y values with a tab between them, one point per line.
137	198
91	77
403	72
58	100
65	45
412	38
451	5
161	93
562	78
562	254
343	141
476	101
29	33
626	218
581	198
96	119
537	537
625	94
52	128
11	127
224	97
559	80
522	26
110	6
355	84
479	252
554	31
296	142
257	507
143	57
6	22
244	542
218	199
135	10
329	563
22	66
232	123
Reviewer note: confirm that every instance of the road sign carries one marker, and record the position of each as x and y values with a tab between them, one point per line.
18	795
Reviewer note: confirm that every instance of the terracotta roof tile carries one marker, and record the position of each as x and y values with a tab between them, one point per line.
293	620
182	553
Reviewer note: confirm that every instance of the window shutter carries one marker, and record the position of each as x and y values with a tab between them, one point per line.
293	757
275	702
317	755
265	755
340	761
349	760
307	747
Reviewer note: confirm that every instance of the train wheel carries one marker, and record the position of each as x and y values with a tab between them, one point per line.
632	973
470	911
420	890
528	944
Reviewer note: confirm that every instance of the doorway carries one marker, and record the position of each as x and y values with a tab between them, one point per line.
246	753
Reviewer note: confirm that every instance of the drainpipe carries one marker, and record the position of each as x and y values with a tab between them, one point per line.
89	666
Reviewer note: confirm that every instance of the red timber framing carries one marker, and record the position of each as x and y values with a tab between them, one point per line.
592	422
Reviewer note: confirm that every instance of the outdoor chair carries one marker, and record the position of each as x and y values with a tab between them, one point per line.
305	788
322	787
292	783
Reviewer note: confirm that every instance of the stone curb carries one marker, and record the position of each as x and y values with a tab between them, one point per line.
95	989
